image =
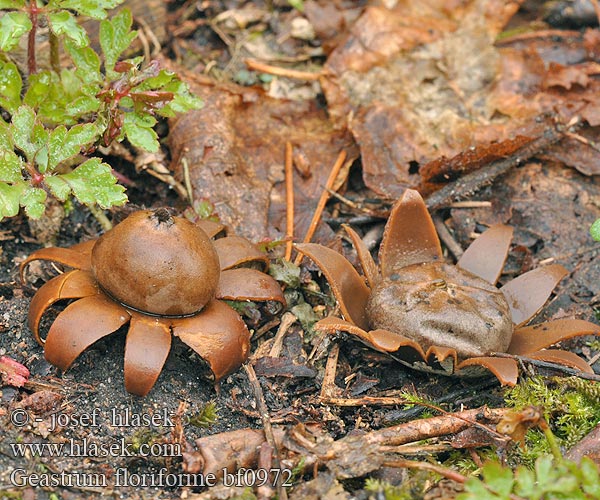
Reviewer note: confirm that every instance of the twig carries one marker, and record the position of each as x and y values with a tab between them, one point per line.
287	320
328	387
548	364
335	170
255	65
187	181
471	204
455	397
472	182
447	238
438	469
356	206
449	423
289	201
268	428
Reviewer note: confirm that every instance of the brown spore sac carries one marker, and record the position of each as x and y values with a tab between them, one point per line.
158	264
434	303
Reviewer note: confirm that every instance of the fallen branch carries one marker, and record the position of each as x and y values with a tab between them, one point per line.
468	184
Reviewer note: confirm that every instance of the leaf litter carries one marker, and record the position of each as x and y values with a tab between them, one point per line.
419	94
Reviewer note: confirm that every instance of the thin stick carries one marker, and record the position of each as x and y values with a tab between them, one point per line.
438	469
278	71
548	364
442	471
328	387
468	184
335	170
471	204
266	421
446	237
289	202
287	320
101	217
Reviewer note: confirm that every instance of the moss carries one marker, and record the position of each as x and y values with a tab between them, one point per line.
570	405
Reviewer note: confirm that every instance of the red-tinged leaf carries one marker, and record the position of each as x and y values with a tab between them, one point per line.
12	372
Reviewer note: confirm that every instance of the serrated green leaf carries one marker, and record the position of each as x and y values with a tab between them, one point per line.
10	167
595	230
86	61
526	485
10	87
93	183
498	478
40	142
115	37
34	202
10	196
590	477
91	8
59	188
157	82
12	4
476	490
64	23
38	88
6	142
139	132
64	144
23	121
183	99
13	25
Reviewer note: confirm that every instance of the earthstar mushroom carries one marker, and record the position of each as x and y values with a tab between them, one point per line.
164	276
444	318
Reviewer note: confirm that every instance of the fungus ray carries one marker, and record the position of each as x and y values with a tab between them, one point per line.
528	339
506	370
80	325
409	236
218	335
365	258
234	251
561	357
78	256
248	284
527	294
347	285
485	257
146	350
70	285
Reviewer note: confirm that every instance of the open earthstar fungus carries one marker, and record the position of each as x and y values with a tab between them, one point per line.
443	318
164	276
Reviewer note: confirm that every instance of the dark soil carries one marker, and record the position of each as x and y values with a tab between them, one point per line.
550	206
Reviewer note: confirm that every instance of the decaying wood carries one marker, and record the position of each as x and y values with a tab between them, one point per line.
268	428
350	456
468	184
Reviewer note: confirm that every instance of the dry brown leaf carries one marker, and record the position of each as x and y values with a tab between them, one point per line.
234	149
426	79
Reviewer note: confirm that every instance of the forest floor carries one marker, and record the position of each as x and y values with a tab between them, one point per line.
396	87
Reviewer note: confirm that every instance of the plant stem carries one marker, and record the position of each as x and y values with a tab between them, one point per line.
101	217
54	56
551	438
33	17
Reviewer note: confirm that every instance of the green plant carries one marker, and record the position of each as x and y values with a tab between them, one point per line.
595	230
206	417
50	126
552	478
571	407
